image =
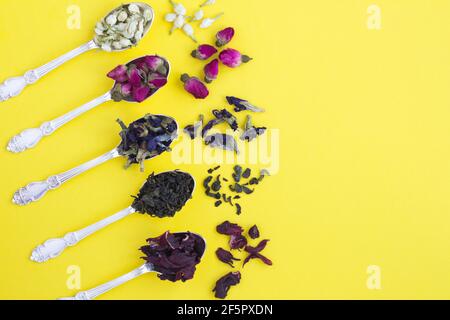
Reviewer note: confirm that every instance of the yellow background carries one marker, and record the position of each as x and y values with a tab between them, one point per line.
364	151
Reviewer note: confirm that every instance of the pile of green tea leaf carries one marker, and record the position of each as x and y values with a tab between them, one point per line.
242	184
164	194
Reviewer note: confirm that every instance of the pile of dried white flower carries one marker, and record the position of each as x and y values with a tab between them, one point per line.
124	27
180	20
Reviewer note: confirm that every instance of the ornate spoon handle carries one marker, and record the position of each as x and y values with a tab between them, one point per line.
14	86
54	247
36	190
95	292
30	137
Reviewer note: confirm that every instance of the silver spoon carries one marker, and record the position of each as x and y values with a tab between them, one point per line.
54	247
14	86
146	268
36	190
30	137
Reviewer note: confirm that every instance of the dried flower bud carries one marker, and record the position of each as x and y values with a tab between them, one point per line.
179	8
198	15
241	105
224	36
211	71
253	232
208	3
170	17
222	141
189	31
111	19
233	58
204	52
133	8
194	86
207	22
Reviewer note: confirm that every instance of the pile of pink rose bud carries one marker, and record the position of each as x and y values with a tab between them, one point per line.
242	184
237	241
225	141
139	79
231	58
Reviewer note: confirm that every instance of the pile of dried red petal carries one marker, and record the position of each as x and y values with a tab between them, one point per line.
237	241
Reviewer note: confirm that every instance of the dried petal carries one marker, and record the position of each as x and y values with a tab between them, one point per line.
226	257
194	86
228	228
211	71
141	93
254	253
241	105
174	256
223	284
224	36
238	242
222	141
204	52
233	58
225	115
253	232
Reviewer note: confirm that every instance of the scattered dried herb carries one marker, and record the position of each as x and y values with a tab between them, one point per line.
210	171
241	105
251	132
226	257
238	209
193	130
225	115
246	174
222	141
164	194
223	284
253	232
174	255
146	138
254	253
216	186
217	203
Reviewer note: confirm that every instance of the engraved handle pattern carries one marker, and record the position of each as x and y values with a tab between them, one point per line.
95	292
29	138
14	86
54	247
36	190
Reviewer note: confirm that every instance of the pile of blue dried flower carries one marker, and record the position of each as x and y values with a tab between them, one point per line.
225	141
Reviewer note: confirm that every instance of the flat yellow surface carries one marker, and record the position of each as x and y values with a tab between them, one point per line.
364	172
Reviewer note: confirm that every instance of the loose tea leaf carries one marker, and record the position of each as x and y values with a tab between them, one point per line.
174	256
226	257
146	138
216	186
246	174
238	209
223	284
210	171
164	194
254	253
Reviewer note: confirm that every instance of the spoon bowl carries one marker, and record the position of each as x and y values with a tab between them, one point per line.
147	27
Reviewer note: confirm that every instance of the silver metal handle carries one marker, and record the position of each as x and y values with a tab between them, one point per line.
95	292
30	137
54	247
36	190
14	86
